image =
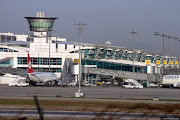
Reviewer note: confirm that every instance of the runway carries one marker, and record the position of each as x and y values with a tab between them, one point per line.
91	92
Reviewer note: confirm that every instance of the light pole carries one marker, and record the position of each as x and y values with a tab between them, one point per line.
175	38
163	35
156	34
179	55
47	39
80	29
168	36
133	32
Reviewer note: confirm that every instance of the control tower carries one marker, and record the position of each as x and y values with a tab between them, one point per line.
40	24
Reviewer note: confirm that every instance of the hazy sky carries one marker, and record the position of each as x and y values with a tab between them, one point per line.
106	20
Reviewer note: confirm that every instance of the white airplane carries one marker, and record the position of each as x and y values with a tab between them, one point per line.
171	80
47	78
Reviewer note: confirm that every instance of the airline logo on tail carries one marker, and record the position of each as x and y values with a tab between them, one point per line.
30	69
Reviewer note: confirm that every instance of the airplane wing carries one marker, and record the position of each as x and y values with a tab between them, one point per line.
13	71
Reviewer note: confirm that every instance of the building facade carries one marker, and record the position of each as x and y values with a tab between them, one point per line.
60	56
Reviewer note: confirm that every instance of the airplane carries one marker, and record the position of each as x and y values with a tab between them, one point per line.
171	81
41	78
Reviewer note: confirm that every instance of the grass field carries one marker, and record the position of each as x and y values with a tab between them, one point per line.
94	106
91	105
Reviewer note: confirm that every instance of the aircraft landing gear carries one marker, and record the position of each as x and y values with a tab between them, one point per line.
51	83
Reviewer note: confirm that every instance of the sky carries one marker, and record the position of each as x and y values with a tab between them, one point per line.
107	20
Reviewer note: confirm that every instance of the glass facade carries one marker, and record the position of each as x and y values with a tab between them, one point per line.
7	38
114	66
40	61
41	25
7	50
118	54
91	79
42	69
7	63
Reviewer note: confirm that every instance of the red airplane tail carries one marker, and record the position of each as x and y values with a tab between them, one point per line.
30	69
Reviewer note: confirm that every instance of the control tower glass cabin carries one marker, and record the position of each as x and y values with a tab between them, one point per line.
40	24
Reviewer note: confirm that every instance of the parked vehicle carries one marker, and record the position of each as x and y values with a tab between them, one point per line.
72	84
153	85
131	83
87	84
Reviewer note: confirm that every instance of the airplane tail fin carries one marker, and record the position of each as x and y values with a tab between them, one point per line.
30	69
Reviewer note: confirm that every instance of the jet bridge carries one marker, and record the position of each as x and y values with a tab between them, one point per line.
125	74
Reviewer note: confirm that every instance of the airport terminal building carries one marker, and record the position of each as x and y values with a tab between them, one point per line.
60	56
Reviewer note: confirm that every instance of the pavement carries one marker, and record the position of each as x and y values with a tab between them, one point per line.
94	92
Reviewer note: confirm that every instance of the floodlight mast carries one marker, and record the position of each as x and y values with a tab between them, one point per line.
175	38
80	71
169	37
163	35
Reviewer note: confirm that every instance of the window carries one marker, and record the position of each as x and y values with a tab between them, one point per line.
94	81
1	49
3	38
35	61
41	25
113	66
8	39
7	62
37	69
5	50
106	65
59	61
13	38
19	60
40	61
22	60
100	64
94	62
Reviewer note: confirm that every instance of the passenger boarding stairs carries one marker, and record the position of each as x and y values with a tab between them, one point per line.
14	82
134	82
19	81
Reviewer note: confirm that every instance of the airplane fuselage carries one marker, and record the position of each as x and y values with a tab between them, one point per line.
173	80
42	77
